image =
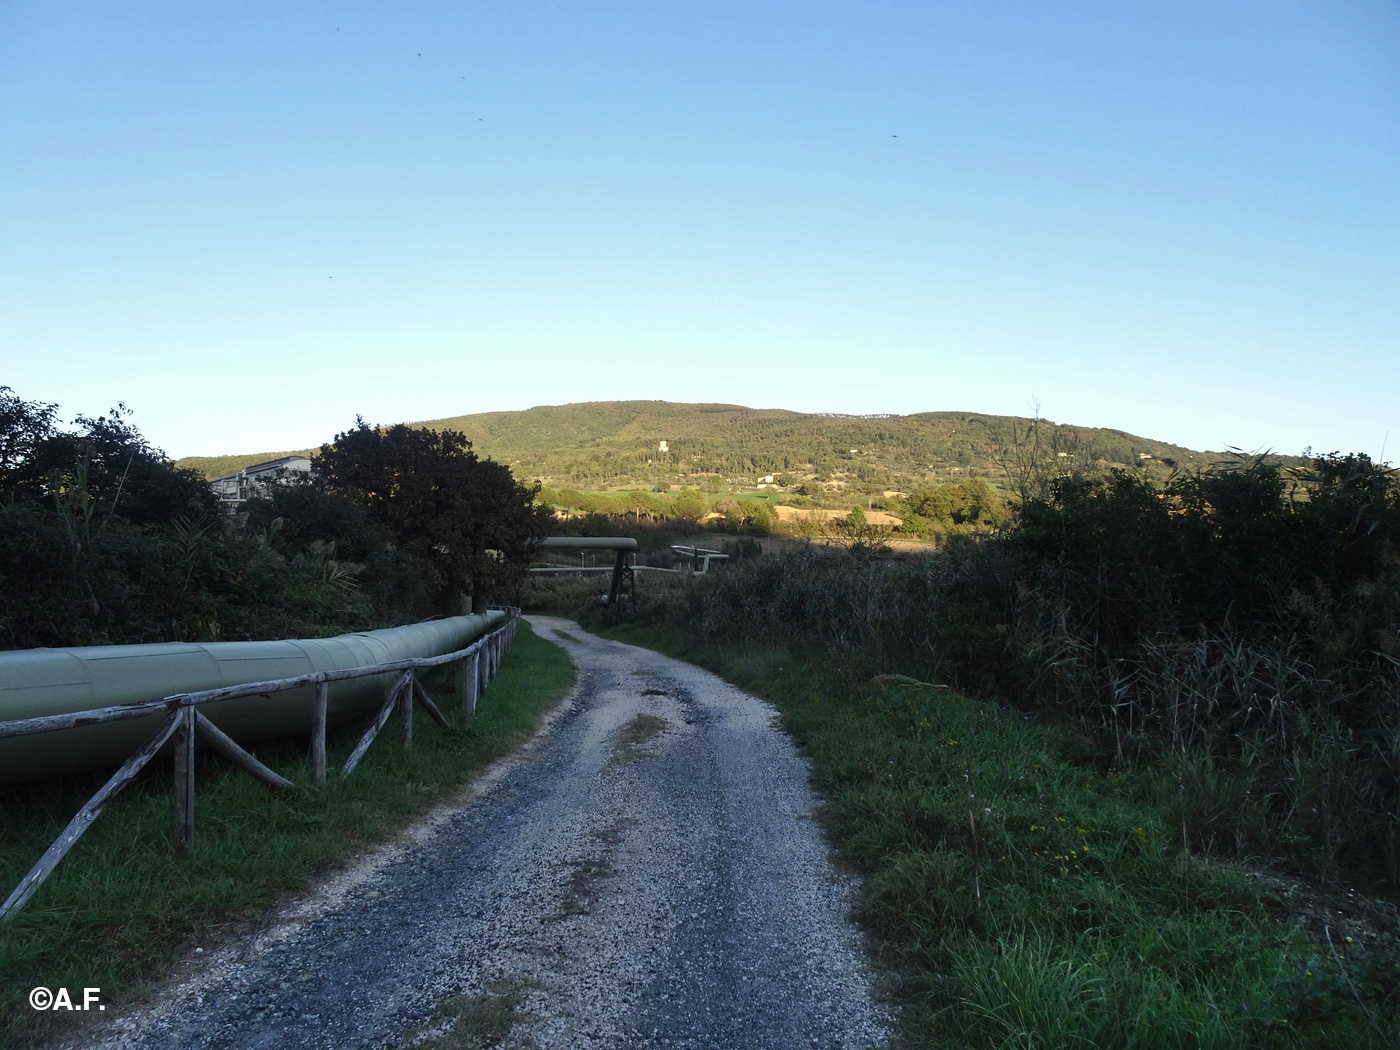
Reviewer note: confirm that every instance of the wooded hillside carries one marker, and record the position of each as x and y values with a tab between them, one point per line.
604	443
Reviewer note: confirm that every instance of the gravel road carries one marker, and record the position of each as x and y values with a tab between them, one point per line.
647	873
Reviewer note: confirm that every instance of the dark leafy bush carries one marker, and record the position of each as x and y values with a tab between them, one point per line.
1243	617
104	541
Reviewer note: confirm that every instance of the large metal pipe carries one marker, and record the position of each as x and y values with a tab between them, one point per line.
591	543
36	682
621	544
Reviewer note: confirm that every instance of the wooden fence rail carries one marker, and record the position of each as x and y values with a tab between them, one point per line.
473	668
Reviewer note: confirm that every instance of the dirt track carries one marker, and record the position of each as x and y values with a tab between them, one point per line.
646	873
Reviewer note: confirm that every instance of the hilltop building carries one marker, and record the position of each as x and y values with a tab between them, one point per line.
258	479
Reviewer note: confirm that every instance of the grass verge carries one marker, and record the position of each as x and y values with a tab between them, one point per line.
122	908
1027	893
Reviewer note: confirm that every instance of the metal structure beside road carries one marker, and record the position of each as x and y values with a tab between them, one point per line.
623	577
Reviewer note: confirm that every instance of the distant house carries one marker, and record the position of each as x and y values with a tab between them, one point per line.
258	479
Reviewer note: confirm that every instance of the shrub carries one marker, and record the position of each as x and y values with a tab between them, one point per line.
1241	617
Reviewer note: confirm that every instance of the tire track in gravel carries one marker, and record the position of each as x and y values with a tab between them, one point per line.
645	874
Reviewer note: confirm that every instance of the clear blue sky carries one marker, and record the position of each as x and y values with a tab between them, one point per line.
250	221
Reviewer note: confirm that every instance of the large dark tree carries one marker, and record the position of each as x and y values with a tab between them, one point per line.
104	542
106	466
467	521
24	425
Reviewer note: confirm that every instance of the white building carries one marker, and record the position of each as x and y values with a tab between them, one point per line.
258	479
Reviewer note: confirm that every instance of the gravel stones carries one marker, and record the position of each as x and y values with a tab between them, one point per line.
642	875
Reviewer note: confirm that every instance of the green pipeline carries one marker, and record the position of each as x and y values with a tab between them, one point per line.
35	682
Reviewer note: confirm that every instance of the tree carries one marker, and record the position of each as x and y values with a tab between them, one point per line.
106	466
857	534
301	520
119	469
571	499
467	521
603	504
24	425
1034	461
931	504
757	517
975	502
639	503
689	504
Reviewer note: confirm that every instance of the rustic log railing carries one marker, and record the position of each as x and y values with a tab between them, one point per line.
473	668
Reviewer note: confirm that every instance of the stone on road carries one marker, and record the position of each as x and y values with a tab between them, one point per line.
646	874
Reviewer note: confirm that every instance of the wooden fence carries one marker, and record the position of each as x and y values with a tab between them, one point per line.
474	667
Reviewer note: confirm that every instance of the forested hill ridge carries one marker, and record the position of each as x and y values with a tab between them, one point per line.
607	443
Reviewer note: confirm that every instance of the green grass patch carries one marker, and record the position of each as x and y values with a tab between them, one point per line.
631	738
1028	893
484	1021
122	908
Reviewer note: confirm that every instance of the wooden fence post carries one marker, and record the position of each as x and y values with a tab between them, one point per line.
405	688
84	818
318	733
229	748
471	686
184	779
423	698
380	720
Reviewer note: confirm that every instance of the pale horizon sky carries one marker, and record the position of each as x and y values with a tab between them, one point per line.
250	221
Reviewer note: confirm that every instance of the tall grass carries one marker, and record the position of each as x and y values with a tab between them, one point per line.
1248	632
1028	894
